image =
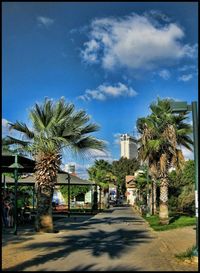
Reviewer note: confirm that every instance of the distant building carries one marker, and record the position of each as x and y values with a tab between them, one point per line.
128	146
70	168
131	190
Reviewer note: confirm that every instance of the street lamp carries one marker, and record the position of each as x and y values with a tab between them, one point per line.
68	180
15	166
181	107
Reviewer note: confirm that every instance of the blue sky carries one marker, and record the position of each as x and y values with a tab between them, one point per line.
111	59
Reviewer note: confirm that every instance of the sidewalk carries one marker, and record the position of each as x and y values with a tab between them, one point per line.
110	241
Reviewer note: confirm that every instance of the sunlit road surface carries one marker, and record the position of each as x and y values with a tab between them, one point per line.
115	240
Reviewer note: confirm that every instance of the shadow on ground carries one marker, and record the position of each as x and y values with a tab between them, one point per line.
97	243
90	267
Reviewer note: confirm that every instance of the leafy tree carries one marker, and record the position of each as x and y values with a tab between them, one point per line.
101	173
182	188
55	126
74	190
121	168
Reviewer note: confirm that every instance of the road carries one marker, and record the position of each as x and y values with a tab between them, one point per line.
115	240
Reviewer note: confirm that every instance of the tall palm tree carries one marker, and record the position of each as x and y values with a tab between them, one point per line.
146	129
55	126
162	135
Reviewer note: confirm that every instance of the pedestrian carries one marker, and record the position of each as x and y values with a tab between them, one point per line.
20	206
4	208
11	214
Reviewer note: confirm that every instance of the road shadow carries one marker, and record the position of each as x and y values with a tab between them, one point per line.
91	267
83	224
115	244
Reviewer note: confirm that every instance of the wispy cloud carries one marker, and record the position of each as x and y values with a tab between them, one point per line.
80	169
186	68
185	78
44	21
6	131
105	91
117	138
5	127
136	42
187	153
97	155
164	74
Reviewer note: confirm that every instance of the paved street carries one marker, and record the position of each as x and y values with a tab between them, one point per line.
115	240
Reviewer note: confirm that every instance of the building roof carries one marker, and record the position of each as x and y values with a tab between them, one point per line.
28	168
61	180
130	183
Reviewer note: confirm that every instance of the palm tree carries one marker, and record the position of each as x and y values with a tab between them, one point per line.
146	129
162	135
101	173
141	185
55	126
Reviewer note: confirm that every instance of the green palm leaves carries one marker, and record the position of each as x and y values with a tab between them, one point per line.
162	134
56	125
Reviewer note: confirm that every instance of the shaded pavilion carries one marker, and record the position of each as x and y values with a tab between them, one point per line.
24	167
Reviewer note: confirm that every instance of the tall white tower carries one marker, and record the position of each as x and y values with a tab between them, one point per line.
128	146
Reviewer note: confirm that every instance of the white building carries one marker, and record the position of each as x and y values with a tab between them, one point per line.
131	191
128	146
70	168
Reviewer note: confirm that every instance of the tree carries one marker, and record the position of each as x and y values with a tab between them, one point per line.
101	173
74	190
163	132
121	168
182	188
55	126
145	128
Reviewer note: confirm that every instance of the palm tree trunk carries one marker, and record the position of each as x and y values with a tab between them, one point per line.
46	175
100	198
151	199
154	198
44	219
163	213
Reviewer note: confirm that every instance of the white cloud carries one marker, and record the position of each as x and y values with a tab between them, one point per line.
117	138
187	67
136	42
187	153
165	74
13	133
5	128
44	21
80	169
185	78
97	155
104	91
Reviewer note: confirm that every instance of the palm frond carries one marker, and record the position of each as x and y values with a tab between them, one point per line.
89	128
22	127
11	140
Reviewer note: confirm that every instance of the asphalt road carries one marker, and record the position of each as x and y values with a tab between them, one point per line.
115	240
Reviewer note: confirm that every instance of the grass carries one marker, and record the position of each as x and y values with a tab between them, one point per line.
175	221
188	254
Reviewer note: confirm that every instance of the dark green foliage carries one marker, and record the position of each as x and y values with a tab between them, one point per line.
74	190
101	173
123	167
181	188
